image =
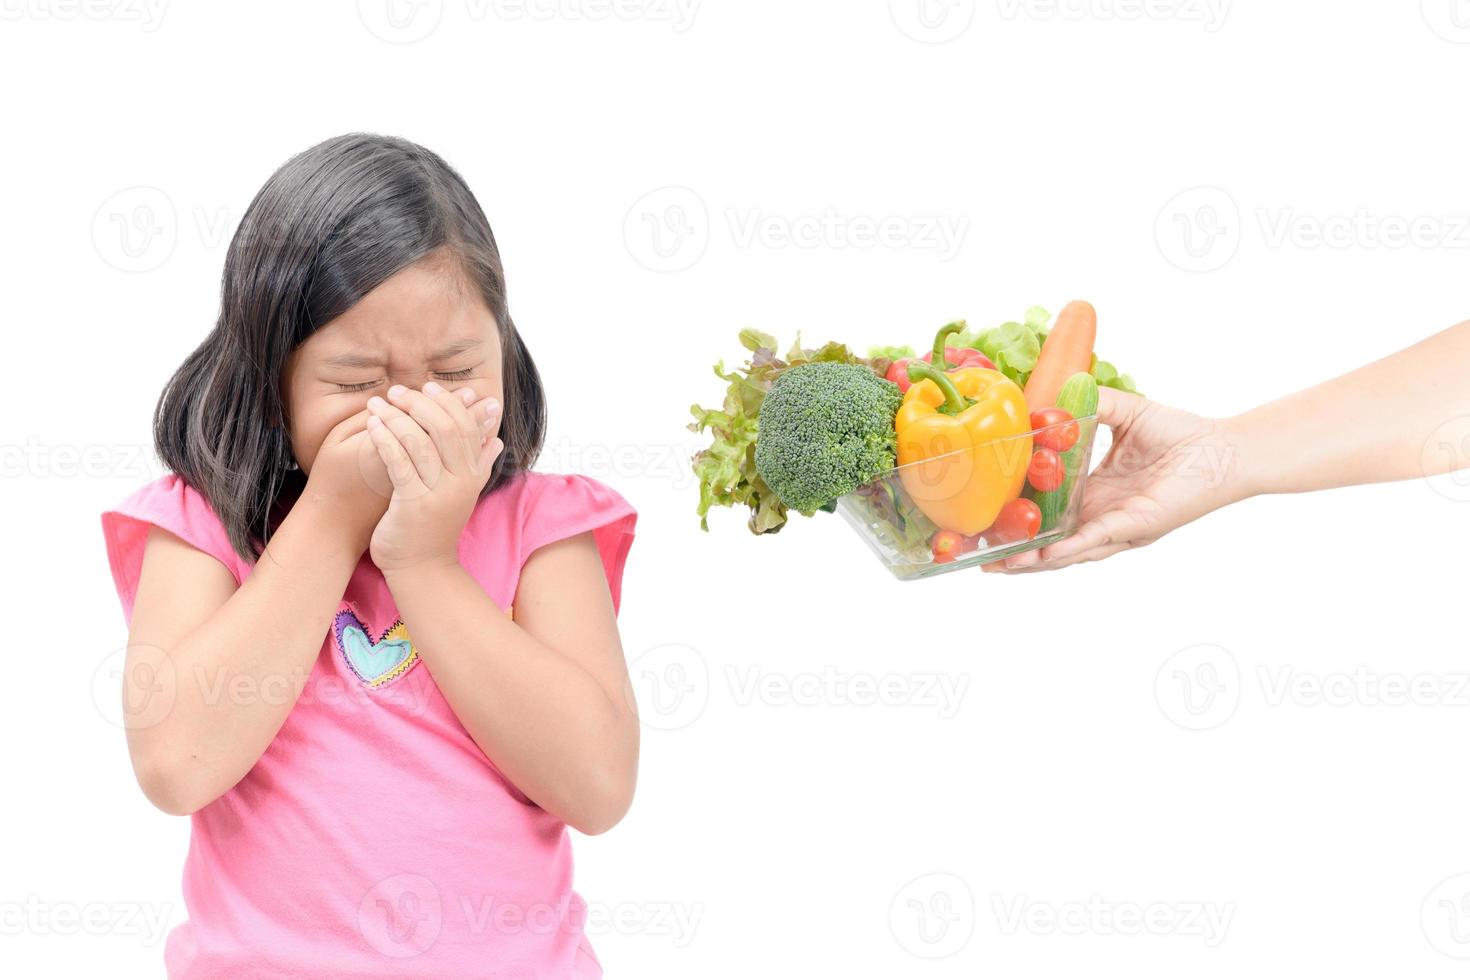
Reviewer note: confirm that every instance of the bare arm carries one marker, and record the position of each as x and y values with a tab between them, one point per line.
212	670
1404	416
1368	426
545	697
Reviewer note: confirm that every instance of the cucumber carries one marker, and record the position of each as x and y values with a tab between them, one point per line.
1078	398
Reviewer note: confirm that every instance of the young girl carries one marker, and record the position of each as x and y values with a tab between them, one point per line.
371	653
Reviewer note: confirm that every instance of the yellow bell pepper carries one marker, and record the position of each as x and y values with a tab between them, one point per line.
964	442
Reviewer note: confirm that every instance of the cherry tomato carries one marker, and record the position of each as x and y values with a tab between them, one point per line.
1061	437
898	373
946	546
1046	471
1018	520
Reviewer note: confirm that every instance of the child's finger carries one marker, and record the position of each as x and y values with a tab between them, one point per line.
415	441
348	428
457	406
489	453
401	469
486	414
434	419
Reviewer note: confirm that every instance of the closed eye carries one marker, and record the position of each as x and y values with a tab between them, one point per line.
442	375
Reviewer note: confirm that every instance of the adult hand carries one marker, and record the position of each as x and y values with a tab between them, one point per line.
1166	468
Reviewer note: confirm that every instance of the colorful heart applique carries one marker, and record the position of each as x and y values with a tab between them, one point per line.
375	662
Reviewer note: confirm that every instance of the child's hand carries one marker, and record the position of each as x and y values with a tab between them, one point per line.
348	476
438	452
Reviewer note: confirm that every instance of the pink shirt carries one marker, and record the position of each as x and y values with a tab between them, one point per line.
374	838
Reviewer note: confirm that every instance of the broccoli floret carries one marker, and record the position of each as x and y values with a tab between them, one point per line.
824	430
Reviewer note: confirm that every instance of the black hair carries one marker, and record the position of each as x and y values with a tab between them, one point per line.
333	223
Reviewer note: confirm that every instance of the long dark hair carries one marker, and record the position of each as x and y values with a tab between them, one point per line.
330	225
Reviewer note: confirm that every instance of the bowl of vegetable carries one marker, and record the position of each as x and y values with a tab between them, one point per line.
976	450
981	503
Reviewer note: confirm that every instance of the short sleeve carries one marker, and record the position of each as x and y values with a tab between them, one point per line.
556	506
176	507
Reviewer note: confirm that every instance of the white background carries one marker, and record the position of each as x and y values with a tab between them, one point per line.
805	834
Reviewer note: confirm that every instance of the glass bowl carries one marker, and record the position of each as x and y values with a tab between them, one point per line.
897	514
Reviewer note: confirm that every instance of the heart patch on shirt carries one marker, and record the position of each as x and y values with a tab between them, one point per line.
375	662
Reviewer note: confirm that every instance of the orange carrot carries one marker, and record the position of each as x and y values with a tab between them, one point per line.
1067	350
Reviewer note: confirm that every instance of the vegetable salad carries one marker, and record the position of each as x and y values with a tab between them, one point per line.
799	430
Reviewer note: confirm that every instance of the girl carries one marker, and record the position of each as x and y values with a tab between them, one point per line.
371	653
